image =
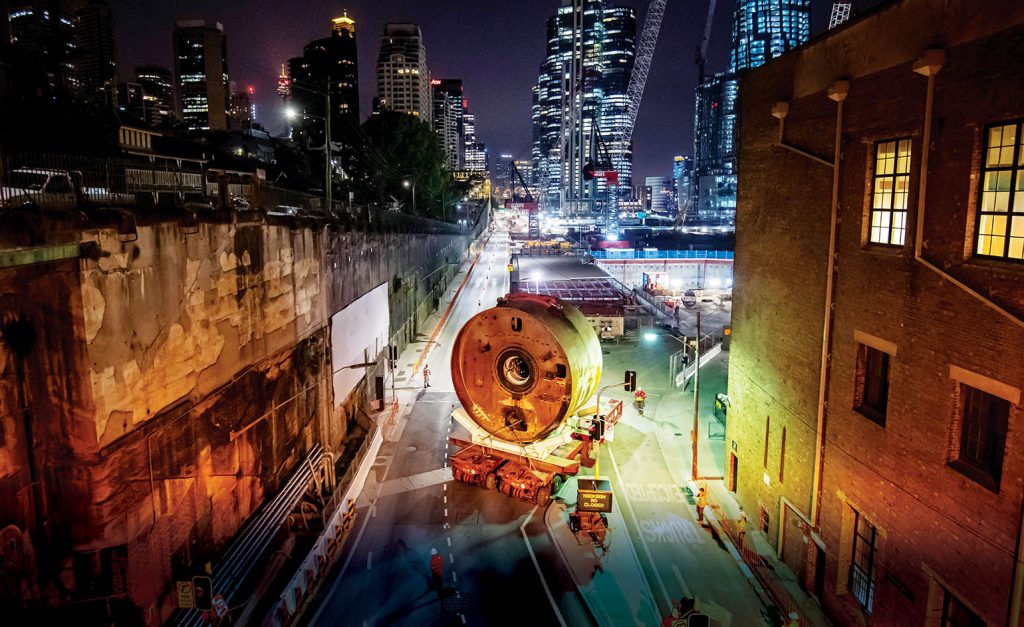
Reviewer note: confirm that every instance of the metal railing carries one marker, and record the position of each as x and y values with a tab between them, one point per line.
252	541
627	253
45	183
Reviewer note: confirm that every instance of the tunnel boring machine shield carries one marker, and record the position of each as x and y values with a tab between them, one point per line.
523	367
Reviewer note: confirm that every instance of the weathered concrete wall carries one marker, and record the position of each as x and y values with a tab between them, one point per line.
176	380
939	532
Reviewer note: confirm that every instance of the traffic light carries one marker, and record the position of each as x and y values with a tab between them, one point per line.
726	337
630	383
202	591
392	355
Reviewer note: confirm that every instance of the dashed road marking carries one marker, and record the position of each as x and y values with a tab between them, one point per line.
369	560
451	558
449	542
446	512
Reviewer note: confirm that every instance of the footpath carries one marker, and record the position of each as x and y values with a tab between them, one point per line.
362	484
612	584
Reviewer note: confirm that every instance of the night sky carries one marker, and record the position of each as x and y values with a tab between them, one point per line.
494	46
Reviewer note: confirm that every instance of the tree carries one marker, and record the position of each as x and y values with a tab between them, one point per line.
393	153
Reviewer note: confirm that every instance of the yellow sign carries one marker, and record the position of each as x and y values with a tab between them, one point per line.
186	598
594	501
510	268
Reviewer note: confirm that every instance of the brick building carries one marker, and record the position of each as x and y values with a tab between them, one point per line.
882	448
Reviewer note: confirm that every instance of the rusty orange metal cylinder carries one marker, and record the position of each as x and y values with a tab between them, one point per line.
521	368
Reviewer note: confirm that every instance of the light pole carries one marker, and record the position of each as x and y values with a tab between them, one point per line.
292	114
696	399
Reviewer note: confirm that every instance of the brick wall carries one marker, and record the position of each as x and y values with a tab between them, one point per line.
938	531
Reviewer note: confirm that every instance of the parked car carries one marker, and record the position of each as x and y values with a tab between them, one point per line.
55	189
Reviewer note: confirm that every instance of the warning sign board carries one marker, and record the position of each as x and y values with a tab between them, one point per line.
594	496
186	598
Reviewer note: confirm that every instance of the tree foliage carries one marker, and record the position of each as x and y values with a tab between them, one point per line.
392	154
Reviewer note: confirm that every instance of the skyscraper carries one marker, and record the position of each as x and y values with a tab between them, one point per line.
44	30
95	67
761	31
241	109
617	56
681	177
201	70
157	93
476	152
403	80
764	29
448	111
659	192
580	96
330	61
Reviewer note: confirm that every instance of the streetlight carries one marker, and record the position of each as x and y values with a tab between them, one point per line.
405	184
696	389
291	113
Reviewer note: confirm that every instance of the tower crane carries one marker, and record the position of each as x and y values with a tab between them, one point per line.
701	57
642	65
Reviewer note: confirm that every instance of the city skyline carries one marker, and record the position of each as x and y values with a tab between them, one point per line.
501	99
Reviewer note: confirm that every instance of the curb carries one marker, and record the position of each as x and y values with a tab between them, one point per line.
565	562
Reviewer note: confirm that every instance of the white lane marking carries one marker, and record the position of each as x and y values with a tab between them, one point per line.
369	560
536	565
679	578
449	542
462	617
446	499
451	558
446	512
455	577
446	487
636	523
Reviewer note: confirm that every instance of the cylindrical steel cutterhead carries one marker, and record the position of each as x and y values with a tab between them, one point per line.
524	366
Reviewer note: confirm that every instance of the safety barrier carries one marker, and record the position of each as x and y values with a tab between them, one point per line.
627	253
780	597
303	586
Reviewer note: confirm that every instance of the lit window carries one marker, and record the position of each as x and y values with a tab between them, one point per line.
862	562
890	186
1000	230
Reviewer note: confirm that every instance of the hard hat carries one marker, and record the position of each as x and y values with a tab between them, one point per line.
433	551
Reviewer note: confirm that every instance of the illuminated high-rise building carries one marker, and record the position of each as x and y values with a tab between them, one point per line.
43	29
201	70
403	79
329	62
580	96
764	29
157	93
284	83
95	67
761	31
447	120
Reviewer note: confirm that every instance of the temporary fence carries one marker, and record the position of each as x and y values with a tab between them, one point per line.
780	597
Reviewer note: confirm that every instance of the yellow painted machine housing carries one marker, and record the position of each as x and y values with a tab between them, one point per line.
523	367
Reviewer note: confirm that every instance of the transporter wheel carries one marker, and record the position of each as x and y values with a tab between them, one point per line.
557	483
491	481
543	496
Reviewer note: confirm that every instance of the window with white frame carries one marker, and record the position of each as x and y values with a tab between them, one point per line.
889	192
862	562
1000	223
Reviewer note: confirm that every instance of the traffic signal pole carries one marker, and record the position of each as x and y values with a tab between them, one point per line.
696	400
